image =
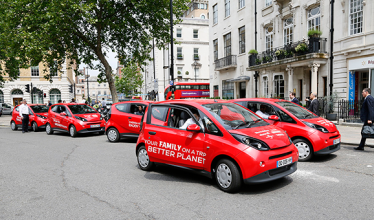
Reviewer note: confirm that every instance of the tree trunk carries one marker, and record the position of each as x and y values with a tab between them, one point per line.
109	76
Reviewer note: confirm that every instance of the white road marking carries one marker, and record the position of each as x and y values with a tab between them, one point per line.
352	155
316	177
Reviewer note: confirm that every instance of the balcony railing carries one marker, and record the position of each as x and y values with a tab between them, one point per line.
312	45
180	57
226	62
196	57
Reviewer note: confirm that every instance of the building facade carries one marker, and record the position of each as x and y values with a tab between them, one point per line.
289	60
13	92
95	90
191	52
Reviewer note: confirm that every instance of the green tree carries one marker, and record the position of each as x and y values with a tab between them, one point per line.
130	81
33	31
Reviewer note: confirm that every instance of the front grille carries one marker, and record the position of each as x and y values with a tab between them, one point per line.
279	170
332	137
332	147
280	155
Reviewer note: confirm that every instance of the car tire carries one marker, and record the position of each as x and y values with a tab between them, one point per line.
228	176
305	149
48	129
112	135
35	127
13	126
72	131
143	159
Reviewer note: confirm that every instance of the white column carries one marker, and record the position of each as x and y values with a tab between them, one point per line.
314	69
290	79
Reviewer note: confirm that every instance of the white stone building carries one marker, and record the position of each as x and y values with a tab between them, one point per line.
97	91
282	26
191	52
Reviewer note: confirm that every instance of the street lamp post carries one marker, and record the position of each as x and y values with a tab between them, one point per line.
88	89
195	64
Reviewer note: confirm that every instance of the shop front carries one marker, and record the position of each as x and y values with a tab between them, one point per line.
360	76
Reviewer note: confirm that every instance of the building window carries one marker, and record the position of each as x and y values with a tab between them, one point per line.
195	33
227	44
242	39
265	83
288	31
54	96
35	71
355	16
98	85
215	91
179	32
268	2
215	48
52	72
227	8
1	97
196	72
202	17
179	53
269	38
314	19
99	93
180	71
241	3
227	89
196	53
104	92
278	87
215	14
37	96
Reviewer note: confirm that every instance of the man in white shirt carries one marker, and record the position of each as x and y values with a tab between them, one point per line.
103	103
262	112
190	121
24	113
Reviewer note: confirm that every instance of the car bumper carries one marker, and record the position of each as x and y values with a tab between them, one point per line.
272	174
91	130
323	141
328	150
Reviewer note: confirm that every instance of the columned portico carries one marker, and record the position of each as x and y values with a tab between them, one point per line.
314	70
290	78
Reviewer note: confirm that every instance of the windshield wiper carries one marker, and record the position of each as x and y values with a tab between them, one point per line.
241	124
253	122
309	116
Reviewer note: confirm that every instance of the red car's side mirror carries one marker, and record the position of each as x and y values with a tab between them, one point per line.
273	117
63	114
193	127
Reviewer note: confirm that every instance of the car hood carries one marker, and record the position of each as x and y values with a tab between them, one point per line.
322	122
89	117
43	113
273	136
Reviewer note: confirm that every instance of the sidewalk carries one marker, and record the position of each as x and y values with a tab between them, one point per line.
5	120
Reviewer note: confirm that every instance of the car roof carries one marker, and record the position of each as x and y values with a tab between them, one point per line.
261	100
193	101
132	101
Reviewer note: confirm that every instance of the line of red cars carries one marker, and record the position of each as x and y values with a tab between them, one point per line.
224	140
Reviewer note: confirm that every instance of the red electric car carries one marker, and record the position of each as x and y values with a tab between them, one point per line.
124	119
311	134
74	119
222	140
37	117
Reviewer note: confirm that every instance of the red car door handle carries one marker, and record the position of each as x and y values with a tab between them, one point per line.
151	132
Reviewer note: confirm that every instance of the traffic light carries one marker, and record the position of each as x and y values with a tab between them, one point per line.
71	88
27	88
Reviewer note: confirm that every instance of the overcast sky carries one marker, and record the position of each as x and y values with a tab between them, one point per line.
111	57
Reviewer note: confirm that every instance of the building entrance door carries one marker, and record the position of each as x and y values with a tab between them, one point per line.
17	101
242	89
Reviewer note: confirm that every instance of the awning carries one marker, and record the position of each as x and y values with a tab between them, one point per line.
240	78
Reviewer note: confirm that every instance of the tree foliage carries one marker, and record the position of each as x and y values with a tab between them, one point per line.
33	31
130	80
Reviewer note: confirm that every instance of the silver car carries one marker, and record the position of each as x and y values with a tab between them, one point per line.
7	108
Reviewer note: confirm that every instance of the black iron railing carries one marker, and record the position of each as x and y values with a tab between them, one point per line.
312	45
349	110
226	61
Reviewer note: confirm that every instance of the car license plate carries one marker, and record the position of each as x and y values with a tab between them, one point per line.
95	126
284	162
337	141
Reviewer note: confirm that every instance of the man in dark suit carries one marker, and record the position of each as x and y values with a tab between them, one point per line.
367	113
314	104
293	98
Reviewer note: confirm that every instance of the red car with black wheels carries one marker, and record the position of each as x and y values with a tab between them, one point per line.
311	134
220	140
124	119
37	117
74	119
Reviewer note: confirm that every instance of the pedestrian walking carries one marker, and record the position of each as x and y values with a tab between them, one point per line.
24	113
49	103
367	114
314	104
73	100
293	98
103	103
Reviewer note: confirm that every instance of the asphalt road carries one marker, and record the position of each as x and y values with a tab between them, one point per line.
58	177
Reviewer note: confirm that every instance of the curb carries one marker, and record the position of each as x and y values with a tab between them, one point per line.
354	144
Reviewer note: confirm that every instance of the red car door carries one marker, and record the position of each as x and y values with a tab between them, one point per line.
134	117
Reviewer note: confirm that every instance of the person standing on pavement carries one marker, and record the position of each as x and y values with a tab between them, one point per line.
24	113
49	103
103	103
293	98
367	114
314	104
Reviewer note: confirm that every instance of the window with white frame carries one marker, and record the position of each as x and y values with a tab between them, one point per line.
195	33
227	8
104	92
265	86
196	53
227	44
215	49
215	14
314	19
202	16
278	87
179	32
242	39
268	2
241	3
269	34
53	71
180	71
197	71
1	97
35	71
355	16
179	53
288	30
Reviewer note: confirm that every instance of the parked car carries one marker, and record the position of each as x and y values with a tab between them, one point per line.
219	139
1	111
37	117
7	108
75	119
311	134
124	120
